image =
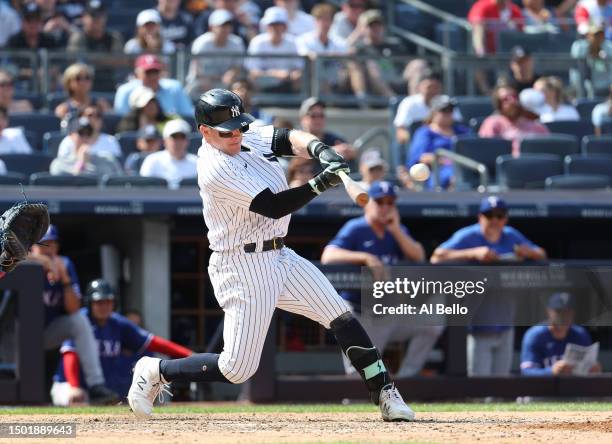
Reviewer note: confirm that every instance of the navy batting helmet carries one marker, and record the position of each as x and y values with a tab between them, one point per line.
99	290
222	110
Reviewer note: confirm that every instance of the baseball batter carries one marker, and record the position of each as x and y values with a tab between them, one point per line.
247	206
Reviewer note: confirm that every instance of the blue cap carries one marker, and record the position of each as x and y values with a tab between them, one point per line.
52	234
561	301
492	203
382	189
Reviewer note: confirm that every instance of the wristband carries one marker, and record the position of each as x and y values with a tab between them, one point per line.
314	148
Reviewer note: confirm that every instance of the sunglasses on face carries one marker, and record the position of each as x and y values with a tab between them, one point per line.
230	134
383	202
6	84
153	72
496	215
83	78
93	115
317	116
178	136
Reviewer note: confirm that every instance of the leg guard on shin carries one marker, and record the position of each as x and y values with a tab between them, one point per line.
358	348
202	367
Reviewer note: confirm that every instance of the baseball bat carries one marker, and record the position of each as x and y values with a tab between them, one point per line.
355	192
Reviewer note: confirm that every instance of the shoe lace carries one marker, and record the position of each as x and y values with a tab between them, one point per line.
159	388
392	393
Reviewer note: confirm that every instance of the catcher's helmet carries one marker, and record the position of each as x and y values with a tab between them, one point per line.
222	110
99	290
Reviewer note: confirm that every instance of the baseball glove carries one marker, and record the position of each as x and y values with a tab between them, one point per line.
21	226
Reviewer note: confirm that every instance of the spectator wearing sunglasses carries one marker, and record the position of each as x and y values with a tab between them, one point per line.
7	95
490	240
173	163
77	82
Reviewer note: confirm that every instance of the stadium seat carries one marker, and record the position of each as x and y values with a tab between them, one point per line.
189	182
54	99
51	142
558	144
606	128
483	150
476	122
39	123
585	107
577	182
508	39
195	142
528	171
471	106
578	128
127	141
63	180
116	180
27	163
32	139
110	120
598	145
13	179
33	97
580	164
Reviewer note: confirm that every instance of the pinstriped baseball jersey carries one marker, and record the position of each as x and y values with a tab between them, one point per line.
229	183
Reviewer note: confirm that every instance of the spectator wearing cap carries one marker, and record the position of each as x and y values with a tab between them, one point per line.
538	18
10	23
144	110
543	346
176	25
77	82
7	95
148	38
149	141
439	131
593	75
372	167
313	120
100	143
211	72
32	35
173	163
602	113
521	74
246	18
12	140
378	239
299	22
77	154
488	17
590	12
554	106
417	107
510	121
376	74
58	19
95	36
491	240
273	73
344	28
169	92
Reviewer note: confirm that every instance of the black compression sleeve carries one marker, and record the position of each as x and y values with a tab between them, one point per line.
281	146
280	204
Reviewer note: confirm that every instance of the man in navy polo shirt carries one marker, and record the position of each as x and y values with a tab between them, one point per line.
490	240
544	345
377	239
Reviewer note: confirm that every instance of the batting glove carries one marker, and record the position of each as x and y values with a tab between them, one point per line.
329	177
323	153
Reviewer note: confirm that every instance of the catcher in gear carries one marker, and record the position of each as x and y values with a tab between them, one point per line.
21	226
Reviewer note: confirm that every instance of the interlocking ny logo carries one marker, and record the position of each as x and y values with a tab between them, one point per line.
235	111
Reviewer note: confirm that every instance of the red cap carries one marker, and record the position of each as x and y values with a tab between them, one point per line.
148	61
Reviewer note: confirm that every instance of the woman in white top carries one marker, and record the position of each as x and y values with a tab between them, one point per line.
99	141
148	39
12	140
554	107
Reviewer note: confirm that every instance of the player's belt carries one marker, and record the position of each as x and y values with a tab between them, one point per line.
272	244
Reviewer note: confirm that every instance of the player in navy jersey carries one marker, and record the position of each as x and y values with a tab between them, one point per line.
120	343
544	345
377	239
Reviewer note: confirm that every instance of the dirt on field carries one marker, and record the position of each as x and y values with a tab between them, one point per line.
469	427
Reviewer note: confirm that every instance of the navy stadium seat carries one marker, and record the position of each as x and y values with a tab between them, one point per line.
27	163
578	128
110	120
115	180
597	145
32	139
127	141
528	171
195	142
508	39
577	182
483	150
580	164
51	142
585	107
189	182
13	179
472	106
39	123
63	180
606	128
476	122
558	144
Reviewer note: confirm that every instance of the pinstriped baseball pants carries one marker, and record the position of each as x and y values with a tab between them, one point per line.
248	286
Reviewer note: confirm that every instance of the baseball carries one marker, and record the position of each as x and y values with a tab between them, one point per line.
419	172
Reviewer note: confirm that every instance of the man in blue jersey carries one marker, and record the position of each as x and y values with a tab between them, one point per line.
491	240
62	301
120	343
544	345
375	240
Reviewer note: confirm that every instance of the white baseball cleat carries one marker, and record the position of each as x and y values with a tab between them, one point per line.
147	384
392	406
